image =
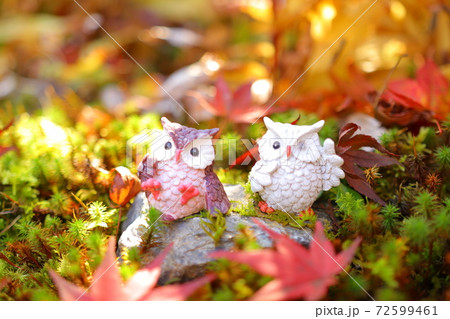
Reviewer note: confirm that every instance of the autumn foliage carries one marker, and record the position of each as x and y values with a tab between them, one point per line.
349	148
107	285
423	99
125	186
233	107
298	272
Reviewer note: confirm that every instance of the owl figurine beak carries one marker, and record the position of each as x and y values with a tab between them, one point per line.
178	155
288	151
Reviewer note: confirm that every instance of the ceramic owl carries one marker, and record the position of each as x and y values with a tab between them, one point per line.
294	168
177	176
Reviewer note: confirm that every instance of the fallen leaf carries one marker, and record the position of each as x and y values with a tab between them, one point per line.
351	95
125	186
348	147
235	107
107	284
434	84
298	272
415	102
324	103
357	91
252	155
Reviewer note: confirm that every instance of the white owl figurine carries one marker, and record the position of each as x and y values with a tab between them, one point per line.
177	175
294	168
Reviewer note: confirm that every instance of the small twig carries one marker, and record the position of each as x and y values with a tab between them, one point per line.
10	225
3	257
438	127
10	198
12	210
377	99
338	52
79	201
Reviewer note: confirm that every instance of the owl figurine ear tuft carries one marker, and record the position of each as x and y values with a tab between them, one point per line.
165	121
307	131
166	124
318	125
208	133
213	131
269	123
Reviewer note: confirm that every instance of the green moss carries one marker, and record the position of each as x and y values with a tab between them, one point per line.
256	130
283	218
233	176
53	183
442	155
417	230
426	203
386	294
214	225
391	217
441	221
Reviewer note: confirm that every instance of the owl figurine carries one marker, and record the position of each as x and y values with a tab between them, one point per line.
177	175
293	168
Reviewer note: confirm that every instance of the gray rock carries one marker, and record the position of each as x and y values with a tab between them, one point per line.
189	255
236	194
139	206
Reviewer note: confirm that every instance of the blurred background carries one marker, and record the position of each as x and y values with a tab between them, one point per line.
53	48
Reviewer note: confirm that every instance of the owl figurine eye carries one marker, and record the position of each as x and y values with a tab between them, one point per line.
276	145
271	146
168	146
162	146
194	151
199	153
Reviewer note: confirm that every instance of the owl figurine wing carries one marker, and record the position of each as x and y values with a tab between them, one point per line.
332	172
215	196
146	169
260	175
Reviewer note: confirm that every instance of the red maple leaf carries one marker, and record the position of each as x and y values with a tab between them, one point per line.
235	107
107	284
357	91
348	147
351	95
419	101
298	272
252	155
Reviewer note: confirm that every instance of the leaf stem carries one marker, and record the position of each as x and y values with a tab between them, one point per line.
118	222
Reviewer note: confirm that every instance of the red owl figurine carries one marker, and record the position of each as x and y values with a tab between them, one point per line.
177	174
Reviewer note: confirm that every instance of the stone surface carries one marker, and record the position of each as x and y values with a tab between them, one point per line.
192	245
236	194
